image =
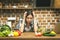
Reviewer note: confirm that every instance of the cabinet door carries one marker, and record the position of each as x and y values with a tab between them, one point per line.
57	3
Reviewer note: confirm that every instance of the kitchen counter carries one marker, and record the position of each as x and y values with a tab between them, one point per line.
31	36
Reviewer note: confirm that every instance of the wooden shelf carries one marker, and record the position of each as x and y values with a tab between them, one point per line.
45	8
16	8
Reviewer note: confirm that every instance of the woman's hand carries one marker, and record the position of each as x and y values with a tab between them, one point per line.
33	13
25	14
24	17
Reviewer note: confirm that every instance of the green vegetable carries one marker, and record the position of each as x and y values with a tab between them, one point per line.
1	34
4	30
6	27
46	32
49	34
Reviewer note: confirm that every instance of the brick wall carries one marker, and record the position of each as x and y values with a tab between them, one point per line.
47	18
44	17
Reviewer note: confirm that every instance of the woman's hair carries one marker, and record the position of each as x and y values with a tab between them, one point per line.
29	13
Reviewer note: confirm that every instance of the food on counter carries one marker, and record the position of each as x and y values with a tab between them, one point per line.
1	34
38	34
41	29
16	34
11	34
52	33
49	34
5	27
4	30
19	32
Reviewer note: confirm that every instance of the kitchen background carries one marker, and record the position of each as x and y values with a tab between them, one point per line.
12	11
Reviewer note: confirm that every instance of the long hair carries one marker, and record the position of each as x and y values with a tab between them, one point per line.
29	13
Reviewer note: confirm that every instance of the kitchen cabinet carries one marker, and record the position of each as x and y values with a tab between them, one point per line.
57	3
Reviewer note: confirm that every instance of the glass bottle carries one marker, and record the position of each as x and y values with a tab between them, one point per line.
19	23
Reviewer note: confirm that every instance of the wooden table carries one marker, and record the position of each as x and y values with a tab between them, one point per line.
31	36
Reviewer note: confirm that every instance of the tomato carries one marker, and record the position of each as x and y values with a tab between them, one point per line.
38	34
19	32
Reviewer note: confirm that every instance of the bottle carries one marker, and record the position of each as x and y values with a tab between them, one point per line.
19	23
21	19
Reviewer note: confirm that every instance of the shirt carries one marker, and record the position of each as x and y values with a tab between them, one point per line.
30	28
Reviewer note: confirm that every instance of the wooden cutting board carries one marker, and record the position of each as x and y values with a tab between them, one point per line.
57	28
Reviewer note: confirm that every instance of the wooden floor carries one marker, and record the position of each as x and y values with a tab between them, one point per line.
31	36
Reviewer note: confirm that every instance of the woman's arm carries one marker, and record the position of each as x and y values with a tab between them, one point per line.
35	23
35	26
22	25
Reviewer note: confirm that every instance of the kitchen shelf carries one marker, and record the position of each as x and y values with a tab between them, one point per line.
16	8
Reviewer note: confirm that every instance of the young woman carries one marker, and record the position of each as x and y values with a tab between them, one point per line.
28	24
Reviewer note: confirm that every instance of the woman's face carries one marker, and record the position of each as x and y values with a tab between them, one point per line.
29	18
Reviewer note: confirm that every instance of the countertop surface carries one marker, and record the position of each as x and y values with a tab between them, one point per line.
30	35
